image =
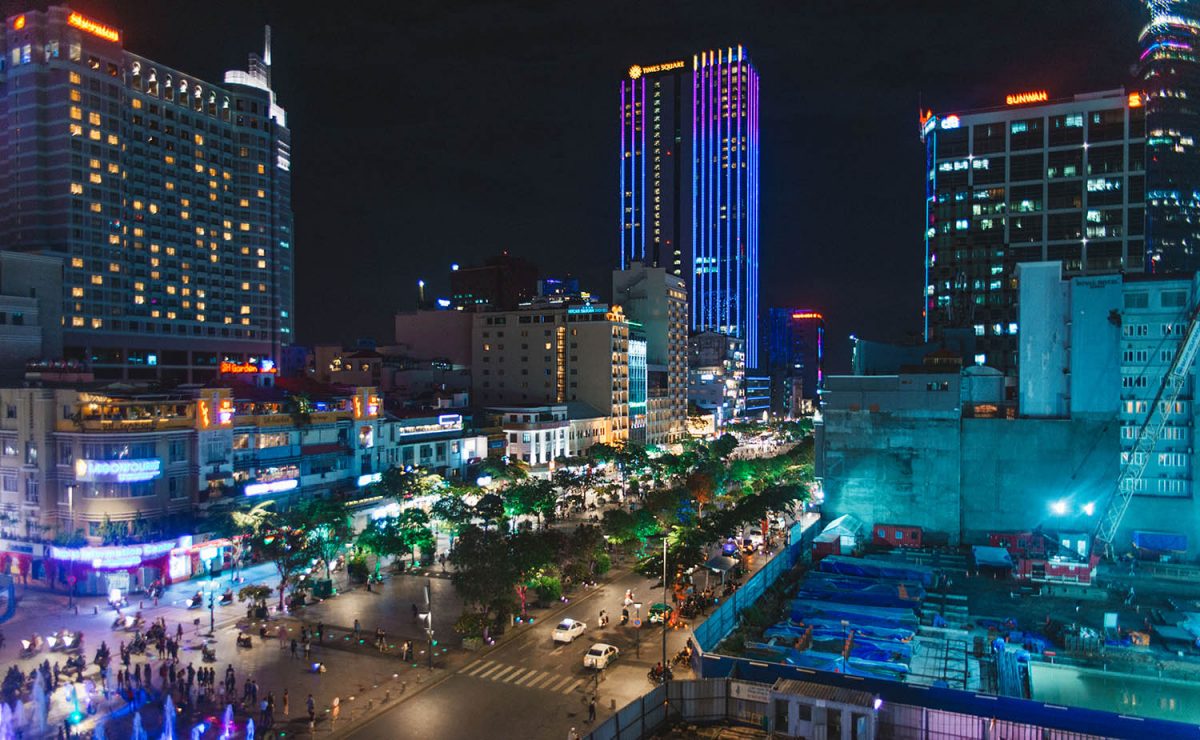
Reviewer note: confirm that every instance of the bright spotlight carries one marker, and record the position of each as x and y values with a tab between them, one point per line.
1089	508
1059	507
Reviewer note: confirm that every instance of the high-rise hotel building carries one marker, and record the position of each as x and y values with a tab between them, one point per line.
1169	76
167	197
1035	179
697	217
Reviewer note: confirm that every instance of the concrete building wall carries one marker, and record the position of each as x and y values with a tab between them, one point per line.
1095	350
435	335
1042	345
893	468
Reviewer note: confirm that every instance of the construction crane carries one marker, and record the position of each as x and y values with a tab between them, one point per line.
1148	433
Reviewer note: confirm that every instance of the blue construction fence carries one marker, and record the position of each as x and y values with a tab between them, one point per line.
724	619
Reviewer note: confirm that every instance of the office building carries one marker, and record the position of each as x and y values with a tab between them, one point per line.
638	390
1169	77
554	354
657	299
501	283
689	184
795	358
1035	179
716	376
758	396
167	197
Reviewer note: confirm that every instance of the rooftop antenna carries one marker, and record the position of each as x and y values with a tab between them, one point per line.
267	47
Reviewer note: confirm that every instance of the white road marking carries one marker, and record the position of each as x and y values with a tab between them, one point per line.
493	669
476	667
545	678
558	685
519	672
572	687
528	676
509	669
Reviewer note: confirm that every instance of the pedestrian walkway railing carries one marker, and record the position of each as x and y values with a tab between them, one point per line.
724	618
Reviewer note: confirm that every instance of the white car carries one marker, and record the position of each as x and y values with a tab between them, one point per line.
600	656
568	629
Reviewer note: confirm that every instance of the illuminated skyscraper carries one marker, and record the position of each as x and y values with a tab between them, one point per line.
689	184
1169	71
167	197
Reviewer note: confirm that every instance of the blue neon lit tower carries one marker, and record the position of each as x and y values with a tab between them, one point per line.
725	197
689	184
1169	69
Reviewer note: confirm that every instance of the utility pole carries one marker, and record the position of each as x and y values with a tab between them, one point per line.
429	618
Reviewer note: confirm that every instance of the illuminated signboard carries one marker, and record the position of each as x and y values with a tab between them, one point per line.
808	315
126	556
1135	100
96	29
446	422
120	471
18	23
1033	96
638	70
275	486
950	122
240	368
369	478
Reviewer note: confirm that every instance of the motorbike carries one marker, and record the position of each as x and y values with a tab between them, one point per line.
656	676
155	591
624	617
196	601
31	646
681	657
138	644
208	654
227	597
244	640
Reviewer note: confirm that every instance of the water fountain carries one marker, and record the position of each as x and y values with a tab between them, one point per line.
227	726
6	722
139	732
41	706
168	719
250	729
199	730
99	733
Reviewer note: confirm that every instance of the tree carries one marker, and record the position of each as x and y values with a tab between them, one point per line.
329	529
414	530
113	533
246	526
485	576
382	538
401	484
530	498
286	546
724	446
489	508
452	512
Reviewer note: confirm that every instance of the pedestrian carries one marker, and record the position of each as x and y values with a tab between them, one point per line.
179	632
335	710
321	632
572	735
307	649
356	629
311	706
294	648
592	710
285	703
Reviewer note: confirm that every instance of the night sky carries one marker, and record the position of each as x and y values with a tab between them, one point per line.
432	131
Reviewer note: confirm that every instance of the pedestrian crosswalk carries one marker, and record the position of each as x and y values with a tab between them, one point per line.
529	678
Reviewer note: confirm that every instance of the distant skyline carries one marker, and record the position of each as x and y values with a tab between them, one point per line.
426	133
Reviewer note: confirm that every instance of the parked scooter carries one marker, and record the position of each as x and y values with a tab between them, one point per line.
208	654
196	601
32	646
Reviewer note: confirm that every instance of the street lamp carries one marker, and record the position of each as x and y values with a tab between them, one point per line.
668	604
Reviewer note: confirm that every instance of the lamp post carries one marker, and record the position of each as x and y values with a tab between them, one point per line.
212	611
429	618
668	604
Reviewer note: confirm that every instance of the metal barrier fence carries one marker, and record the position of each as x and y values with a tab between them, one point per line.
693	700
724	618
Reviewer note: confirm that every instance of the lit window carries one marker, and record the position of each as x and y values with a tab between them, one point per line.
114	239
96	208
261	169
94	118
94	135
137	104
94	164
95	178
154	208
76	129
76	262
75	96
97	323
76	113
77	292
114	267
74	78
154	313
169	185
76	189
113	168
139	299
112	140
97	280
76	321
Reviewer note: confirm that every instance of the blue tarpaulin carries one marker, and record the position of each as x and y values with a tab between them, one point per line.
1160	541
872	568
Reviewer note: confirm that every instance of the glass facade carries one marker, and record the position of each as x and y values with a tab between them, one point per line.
689	188
1059	180
1169	72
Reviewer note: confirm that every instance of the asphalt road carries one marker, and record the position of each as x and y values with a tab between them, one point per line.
531	687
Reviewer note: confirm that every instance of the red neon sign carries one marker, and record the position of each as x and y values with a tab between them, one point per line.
241	368
808	315
107	33
1033	96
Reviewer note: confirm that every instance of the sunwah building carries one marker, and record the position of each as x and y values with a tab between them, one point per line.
1037	178
167	197
689	184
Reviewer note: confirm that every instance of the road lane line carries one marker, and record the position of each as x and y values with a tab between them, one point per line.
543	679
479	666
519	672
493	669
528	676
510	669
572	687
558	684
